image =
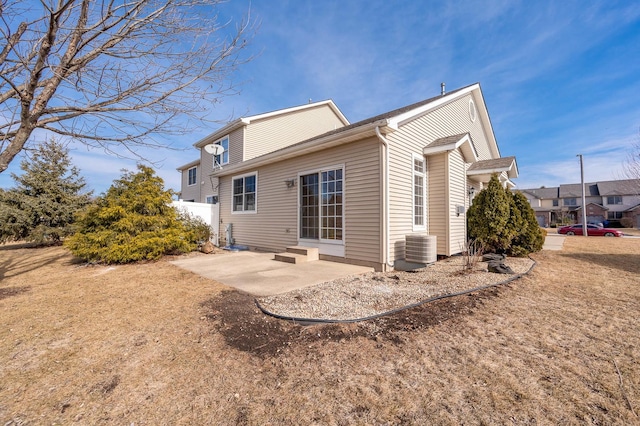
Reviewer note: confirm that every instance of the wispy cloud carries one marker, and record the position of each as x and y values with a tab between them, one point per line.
559	78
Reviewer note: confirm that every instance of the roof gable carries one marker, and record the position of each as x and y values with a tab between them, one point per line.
385	123
245	121
407	114
449	143
495	165
600	206
194	163
619	187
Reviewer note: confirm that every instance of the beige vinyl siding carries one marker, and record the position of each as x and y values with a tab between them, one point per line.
457	197
437	200
275	224
273	133
236	146
548	204
448	120
192	192
207	185
400	200
412	137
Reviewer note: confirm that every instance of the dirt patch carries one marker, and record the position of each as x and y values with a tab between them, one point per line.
154	344
247	329
13	291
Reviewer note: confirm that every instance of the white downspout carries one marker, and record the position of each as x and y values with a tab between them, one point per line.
385	234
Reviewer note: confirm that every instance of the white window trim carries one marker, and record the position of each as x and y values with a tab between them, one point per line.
614	200
422	227
309	241
219	142
254	173
195	181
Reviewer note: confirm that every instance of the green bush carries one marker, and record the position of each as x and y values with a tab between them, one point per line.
488	218
133	221
41	207
197	226
529	236
504	222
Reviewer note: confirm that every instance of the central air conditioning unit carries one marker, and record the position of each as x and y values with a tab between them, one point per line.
420	248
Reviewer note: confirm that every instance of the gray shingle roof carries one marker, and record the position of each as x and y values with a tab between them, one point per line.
383	116
543	193
575	190
495	163
594	189
619	187
447	140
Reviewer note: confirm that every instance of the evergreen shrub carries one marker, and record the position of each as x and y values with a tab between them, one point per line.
133	221
41	208
504	222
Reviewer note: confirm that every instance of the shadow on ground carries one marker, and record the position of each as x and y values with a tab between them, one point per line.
624	262
13	291
15	264
247	329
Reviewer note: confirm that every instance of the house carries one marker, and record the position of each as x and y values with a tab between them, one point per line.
250	137
607	202
307	177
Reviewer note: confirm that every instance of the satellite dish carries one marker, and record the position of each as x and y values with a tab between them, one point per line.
214	149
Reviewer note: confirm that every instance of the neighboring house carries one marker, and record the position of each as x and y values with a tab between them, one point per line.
607	202
306	177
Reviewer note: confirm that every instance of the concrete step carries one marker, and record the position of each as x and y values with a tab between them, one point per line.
291	257
311	252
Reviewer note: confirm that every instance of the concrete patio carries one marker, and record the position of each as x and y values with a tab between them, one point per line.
258	274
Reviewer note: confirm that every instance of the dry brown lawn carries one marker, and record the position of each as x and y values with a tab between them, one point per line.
152	344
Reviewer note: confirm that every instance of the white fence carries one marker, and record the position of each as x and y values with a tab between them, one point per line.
209	213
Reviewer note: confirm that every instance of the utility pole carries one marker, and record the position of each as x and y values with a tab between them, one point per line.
584	200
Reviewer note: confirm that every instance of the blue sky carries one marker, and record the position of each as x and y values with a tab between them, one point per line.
559	78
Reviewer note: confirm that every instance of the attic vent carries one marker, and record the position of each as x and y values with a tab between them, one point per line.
473	114
420	248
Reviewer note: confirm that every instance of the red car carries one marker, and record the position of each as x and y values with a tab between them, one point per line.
592	230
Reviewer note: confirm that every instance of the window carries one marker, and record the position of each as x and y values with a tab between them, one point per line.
321	205
224	157
418	192
244	193
331	225
569	202
309	207
616	199
555	203
614	215
212	199
192	176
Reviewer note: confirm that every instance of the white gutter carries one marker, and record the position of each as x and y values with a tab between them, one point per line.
385	221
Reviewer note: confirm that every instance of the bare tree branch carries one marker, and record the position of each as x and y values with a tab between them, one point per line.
631	166
112	73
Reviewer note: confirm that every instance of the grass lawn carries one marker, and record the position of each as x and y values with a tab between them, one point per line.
153	344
